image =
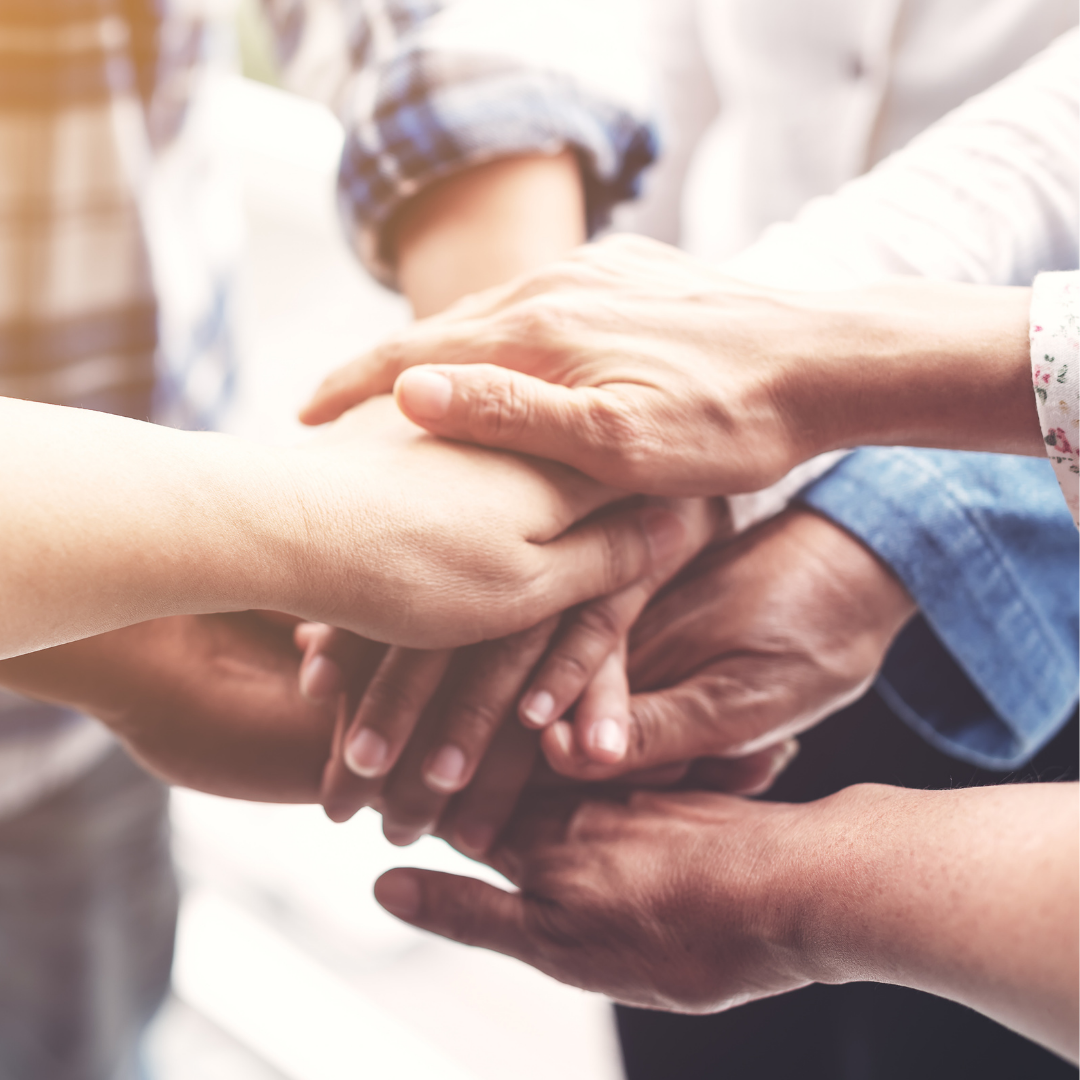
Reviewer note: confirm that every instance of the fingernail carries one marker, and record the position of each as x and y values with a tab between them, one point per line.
790	750
446	769
562	735
538	708
607	739
665	532
426	394
320	679
366	752
400	895
475	836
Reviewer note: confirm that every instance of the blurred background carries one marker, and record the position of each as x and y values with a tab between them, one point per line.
286	967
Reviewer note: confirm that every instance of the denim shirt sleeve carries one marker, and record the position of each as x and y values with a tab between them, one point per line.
988	671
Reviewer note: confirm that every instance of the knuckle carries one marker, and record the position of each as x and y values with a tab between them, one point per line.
616	429
471	722
639	735
547	279
599	622
387	703
502	411
567	664
537	319
614	555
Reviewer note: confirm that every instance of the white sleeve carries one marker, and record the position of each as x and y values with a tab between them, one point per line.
989	195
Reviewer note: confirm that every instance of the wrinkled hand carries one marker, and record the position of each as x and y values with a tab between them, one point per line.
417	541
756	641
663	902
207	701
629	360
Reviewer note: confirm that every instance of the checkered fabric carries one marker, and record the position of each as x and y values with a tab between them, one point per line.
93	93
118	224
432	87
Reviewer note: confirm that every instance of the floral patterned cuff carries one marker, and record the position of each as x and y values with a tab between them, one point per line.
1055	358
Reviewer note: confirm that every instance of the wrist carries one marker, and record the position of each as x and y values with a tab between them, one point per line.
261	524
833	870
774	919
310	551
918	363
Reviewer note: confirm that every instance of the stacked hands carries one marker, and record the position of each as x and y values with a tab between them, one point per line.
568	668
725	649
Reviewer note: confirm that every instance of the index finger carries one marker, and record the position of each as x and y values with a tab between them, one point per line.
376	371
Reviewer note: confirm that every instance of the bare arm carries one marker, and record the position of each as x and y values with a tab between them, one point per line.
106	521
968	894
486	225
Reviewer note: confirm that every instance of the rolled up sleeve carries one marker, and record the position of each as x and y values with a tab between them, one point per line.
988	672
440	87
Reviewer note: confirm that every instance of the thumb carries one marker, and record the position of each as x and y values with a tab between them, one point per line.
459	908
605	553
507	410
678	724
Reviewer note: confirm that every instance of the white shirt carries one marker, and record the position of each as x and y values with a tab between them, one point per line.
767	104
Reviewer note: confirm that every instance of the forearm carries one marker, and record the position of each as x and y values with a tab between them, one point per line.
486	225
919	363
968	894
108	522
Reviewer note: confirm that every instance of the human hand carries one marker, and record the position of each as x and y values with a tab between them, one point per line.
661	902
756	641
429	720
207	701
480	685
698	902
654	372
439	544
630	329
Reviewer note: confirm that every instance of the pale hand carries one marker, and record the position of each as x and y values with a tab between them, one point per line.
652	371
416	541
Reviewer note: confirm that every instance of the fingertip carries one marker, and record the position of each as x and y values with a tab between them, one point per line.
402	835
321	679
474	837
446	769
605	740
557	742
399	893
338	813
423	394
537	709
322	407
367	754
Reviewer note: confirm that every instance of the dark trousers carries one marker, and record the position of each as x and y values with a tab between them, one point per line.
861	1031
